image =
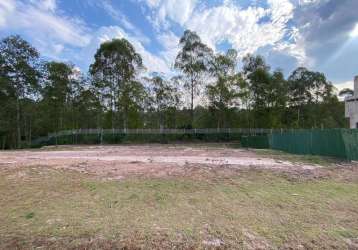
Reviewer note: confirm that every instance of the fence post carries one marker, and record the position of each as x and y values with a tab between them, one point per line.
101	135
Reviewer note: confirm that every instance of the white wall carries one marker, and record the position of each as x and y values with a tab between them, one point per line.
354	121
352	107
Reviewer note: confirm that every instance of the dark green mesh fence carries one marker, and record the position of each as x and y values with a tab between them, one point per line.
350	138
339	143
255	141
327	142
117	138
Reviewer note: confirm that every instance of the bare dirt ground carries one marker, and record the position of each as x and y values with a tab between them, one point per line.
189	196
117	162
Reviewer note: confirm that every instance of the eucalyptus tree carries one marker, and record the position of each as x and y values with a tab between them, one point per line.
259	84
88	108
114	71
56	93
307	89
19	65
277	100
193	61
164	96
7	109
268	92
131	101
225	91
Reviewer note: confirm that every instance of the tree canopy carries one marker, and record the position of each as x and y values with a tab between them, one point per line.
209	90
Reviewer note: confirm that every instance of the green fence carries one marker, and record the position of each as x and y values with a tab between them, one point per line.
118	138
256	141
339	143
350	138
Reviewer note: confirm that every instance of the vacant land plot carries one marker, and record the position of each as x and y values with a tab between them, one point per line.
175	196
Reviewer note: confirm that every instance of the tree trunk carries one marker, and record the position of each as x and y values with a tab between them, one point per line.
248	114
18	127
298	118
112	108
192	105
30	128
161	119
125	118
3	142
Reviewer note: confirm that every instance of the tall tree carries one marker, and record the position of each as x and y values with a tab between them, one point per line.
193	60
58	95
164	96
114	70
258	77
7	109
267	91
225	90
19	64
88	109
277	99
307	90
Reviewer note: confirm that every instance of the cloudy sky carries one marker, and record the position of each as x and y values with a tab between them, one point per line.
319	34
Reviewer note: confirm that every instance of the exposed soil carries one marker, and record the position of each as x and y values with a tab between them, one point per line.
58	198
117	162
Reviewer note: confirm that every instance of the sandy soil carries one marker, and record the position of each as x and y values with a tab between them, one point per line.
117	162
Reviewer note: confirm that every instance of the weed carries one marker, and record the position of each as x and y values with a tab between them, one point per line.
30	215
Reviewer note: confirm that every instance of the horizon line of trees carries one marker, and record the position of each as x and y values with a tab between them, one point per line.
38	97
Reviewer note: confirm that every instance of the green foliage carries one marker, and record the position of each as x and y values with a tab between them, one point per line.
114	70
40	98
163	98
19	80
224	93
193	60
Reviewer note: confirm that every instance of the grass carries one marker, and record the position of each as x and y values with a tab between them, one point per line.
308	159
250	209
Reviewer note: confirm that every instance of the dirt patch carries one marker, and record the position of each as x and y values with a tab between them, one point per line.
118	162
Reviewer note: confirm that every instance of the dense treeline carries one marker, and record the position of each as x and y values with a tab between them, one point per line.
38	97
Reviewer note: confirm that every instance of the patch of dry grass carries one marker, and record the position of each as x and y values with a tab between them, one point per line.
308	159
54	208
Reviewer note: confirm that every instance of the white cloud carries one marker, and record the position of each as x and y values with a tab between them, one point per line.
49	31
67	30
174	10
60	37
48	5
308	2
6	9
354	32
118	16
44	25
295	47
170	44
343	85
246	29
58	48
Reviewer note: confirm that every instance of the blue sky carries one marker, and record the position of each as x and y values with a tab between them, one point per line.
319	34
